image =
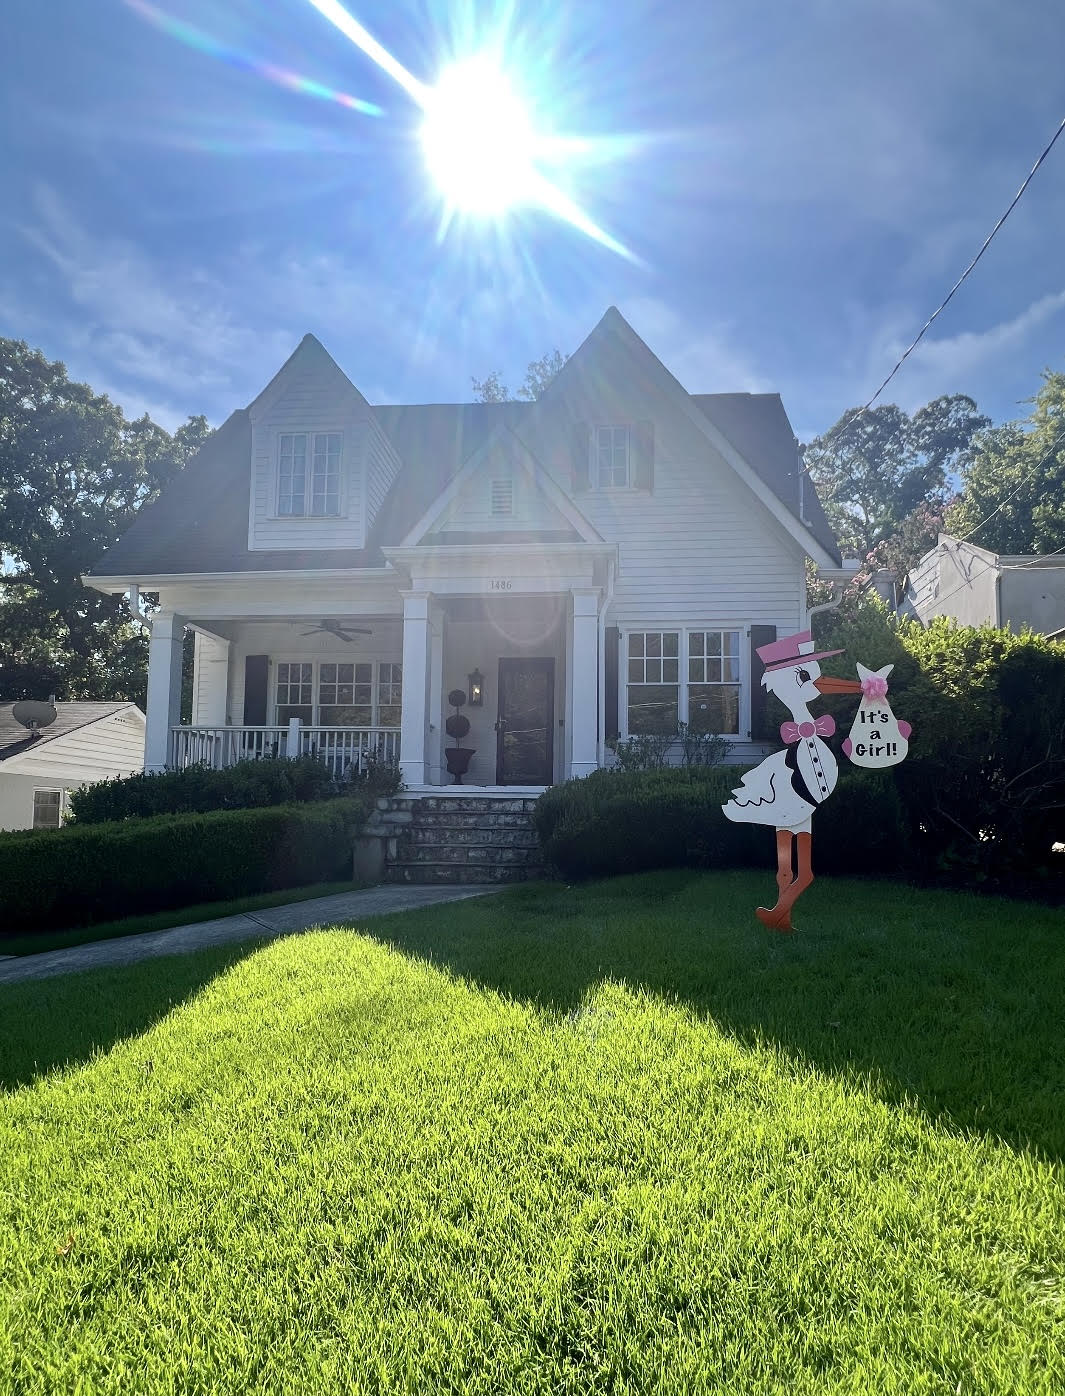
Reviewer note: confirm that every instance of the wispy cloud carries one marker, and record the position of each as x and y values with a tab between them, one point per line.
704	358
959	363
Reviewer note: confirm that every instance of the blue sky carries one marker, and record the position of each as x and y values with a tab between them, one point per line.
803	181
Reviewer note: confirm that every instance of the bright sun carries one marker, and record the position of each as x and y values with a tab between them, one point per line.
478	140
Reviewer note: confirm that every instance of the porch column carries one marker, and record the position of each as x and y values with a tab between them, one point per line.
210	688
164	687
434	760
413	715
584	683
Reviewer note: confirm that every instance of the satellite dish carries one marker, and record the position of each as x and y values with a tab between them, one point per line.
33	714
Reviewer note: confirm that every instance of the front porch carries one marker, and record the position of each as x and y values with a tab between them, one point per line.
364	687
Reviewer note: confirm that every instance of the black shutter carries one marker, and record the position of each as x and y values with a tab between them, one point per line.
761	722
610	697
256	684
581	447
643	455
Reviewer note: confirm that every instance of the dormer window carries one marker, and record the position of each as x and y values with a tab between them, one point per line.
308	474
502	499
610	458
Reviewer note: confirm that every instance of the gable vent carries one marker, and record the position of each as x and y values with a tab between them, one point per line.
502	499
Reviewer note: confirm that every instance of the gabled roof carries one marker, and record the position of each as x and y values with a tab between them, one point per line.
15	739
502	439
200	523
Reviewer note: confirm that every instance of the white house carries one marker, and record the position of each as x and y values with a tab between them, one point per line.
86	742
977	587
605	559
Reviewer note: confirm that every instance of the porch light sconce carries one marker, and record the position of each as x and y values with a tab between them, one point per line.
476	689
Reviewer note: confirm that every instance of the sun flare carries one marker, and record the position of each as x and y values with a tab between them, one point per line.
478	139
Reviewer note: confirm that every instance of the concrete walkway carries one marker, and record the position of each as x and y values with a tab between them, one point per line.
270	921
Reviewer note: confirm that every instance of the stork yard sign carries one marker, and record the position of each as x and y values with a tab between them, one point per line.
785	790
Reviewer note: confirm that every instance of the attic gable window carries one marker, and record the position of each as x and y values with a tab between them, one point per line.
502	499
308	474
610	462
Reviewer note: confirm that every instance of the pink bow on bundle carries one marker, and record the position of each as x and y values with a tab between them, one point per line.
792	731
874	687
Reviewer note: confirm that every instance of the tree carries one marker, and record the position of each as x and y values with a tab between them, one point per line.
73	472
1012	498
873	469
539	375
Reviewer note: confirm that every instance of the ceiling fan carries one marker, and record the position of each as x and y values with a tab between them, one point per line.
346	633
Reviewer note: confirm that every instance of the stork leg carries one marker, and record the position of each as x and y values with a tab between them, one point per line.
778	918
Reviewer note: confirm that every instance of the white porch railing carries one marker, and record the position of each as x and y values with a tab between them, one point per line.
341	748
350	748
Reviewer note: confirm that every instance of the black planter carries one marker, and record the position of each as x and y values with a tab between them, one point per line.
458	761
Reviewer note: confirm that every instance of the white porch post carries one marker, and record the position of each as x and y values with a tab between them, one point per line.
164	688
210	689
413	716
434	759
584	682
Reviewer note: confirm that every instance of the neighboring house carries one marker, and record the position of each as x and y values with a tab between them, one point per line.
976	587
604	559
85	743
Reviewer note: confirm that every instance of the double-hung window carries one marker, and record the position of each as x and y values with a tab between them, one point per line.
654	682
683	676
308	474
610	462
359	693
47	809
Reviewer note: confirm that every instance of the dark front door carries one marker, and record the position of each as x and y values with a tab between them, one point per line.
525	749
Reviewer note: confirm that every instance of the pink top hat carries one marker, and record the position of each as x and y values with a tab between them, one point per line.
792	649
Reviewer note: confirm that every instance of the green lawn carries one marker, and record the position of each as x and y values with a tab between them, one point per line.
36	942
615	1138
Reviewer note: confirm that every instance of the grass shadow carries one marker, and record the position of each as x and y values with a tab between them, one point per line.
66	1020
948	1000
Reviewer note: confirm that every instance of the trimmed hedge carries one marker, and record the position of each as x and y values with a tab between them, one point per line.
197	789
101	872
615	821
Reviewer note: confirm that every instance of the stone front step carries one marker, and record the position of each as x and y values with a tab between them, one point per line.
459	838
470	819
469	873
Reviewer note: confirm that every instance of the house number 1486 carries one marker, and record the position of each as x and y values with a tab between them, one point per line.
501	584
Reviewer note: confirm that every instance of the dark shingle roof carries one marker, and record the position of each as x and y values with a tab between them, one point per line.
200	523
758	427
14	738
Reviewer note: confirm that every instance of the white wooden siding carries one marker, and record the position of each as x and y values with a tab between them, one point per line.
471	509
16	798
699	546
309	395
382	467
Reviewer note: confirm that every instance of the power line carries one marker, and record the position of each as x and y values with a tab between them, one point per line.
986	244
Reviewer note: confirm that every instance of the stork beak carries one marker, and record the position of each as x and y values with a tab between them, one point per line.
827	684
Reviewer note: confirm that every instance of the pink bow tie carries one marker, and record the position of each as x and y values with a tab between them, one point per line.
792	731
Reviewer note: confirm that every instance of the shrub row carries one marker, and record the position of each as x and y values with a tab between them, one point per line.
615	821
100	872
197	789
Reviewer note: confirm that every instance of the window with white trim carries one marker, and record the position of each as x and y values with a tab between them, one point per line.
295	692
714	681
47	809
335	693
502	499
610	458
709	696
308	474
653	682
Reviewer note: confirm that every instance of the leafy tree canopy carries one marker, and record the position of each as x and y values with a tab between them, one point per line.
1012	498
539	374
873	469
73	471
